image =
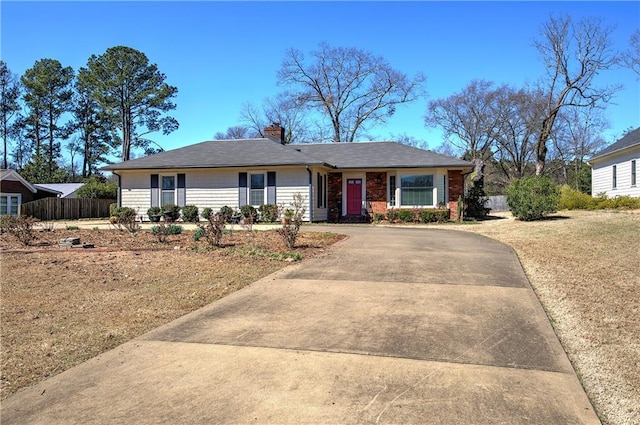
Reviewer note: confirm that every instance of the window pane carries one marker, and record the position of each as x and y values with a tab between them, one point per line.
416	190
168	197
392	190
256	197
3	205
14	205
168	182
257	181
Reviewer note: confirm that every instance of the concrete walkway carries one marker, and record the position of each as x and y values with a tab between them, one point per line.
394	325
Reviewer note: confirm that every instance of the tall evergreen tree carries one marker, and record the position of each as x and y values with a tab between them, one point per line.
133	92
92	125
47	96
9	107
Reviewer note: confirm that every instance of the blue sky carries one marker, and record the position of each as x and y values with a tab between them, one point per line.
223	54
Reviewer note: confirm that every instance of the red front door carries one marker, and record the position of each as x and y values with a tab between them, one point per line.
354	196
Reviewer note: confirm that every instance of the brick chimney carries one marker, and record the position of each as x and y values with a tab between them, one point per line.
275	131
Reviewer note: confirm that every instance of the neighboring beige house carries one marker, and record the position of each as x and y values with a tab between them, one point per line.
614	170
340	181
65	190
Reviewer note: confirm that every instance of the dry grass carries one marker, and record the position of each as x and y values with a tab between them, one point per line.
60	308
585	268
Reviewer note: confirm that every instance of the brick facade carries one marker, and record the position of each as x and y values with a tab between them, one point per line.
377	191
456	190
334	196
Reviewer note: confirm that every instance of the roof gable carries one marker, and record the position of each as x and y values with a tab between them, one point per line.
9	174
631	139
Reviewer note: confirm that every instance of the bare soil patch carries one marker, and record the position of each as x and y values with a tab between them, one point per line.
585	268
61	307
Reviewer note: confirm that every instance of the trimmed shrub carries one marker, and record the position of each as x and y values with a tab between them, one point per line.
248	211
124	218
190	214
571	199
618	202
533	198
434	216
406	216
227	213
154	212
171	212
268	213
206	213
378	217
392	215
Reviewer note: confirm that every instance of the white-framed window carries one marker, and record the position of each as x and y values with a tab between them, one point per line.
168	190
322	190
392	191
633	172
10	203
416	190
257	188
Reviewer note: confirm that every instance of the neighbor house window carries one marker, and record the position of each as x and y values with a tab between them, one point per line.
633	172
392	191
416	190
615	177
256	190
10	204
168	196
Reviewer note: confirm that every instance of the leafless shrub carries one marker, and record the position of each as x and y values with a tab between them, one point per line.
20	227
212	230
292	220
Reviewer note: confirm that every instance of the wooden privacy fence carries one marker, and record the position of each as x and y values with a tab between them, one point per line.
498	203
66	208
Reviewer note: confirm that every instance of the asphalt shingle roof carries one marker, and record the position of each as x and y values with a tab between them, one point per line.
630	139
220	153
266	152
378	155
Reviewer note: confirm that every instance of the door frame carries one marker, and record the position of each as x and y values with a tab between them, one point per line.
351	176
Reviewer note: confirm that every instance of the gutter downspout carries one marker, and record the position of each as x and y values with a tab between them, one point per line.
310	194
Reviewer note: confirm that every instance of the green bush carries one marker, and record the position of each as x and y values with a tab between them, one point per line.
571	199
378	217
434	216
406	216
248	211
112	209
206	213
154	211
95	188
171	212
227	213
533	198
124	218
392	215
618	202
268	213
190	213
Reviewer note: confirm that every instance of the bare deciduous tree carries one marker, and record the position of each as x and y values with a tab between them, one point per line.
351	87
573	55
469	121
282	109
632	56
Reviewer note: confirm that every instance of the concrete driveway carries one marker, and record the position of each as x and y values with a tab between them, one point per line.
394	325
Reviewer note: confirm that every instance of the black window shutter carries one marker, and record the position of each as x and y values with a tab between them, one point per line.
271	187
155	192
181	190
242	189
